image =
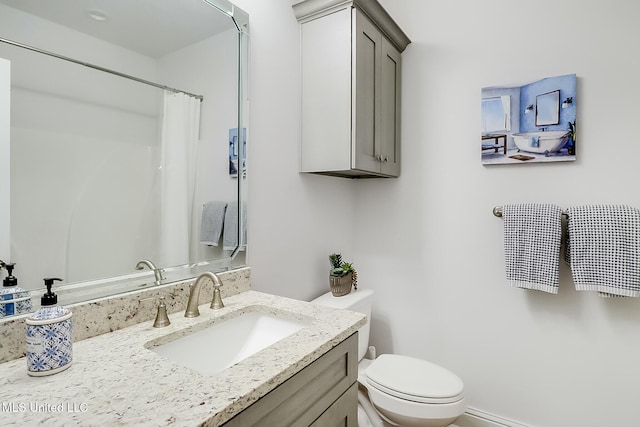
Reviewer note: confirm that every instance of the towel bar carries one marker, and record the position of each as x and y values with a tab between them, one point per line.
497	211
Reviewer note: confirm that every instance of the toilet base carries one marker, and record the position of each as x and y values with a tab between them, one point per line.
368	416
414	414
441	415
412	422
371	416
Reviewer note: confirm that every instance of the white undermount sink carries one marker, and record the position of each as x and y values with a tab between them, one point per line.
226	343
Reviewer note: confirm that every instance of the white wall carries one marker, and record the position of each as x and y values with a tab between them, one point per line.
427	242
551	361
295	221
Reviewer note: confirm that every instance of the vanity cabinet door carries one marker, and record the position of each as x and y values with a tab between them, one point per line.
343	412
324	390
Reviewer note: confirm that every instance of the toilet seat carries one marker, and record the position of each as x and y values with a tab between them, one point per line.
414	380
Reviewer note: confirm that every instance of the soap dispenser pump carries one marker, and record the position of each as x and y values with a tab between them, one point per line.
13	299
49	336
10	280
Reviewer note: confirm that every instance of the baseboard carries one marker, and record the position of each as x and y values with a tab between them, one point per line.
477	418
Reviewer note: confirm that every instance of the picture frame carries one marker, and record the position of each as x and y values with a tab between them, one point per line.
529	123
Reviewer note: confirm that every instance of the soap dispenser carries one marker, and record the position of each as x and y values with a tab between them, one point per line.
13	299
49	336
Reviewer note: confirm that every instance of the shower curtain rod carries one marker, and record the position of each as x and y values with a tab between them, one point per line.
97	67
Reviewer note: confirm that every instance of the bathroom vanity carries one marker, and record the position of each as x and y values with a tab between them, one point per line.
117	379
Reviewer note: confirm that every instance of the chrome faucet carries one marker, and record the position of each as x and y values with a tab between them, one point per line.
194	294
157	272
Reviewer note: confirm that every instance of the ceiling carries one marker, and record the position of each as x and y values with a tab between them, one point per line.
150	27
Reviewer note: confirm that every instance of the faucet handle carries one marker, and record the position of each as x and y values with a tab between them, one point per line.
216	302
161	316
162	319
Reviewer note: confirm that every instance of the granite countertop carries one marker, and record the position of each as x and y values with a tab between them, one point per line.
114	380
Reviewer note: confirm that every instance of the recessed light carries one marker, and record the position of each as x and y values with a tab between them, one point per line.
98	15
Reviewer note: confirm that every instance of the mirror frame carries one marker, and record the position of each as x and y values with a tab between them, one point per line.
110	286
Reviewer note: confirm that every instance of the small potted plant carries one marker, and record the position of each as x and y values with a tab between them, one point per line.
342	276
571	149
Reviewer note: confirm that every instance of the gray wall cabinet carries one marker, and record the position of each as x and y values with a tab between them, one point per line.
351	82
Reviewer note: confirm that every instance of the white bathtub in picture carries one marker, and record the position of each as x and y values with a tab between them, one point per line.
541	142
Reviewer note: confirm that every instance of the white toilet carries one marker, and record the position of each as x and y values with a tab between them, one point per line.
399	390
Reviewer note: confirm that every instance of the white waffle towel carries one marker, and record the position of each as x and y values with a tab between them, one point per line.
532	236
604	249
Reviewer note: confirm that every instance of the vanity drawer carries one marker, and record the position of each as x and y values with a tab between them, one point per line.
327	388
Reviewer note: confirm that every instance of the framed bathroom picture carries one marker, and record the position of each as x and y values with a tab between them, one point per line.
234	147
529	123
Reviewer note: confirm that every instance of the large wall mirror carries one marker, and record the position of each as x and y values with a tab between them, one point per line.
127	157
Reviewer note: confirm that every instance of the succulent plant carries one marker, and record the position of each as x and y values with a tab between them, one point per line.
340	268
335	260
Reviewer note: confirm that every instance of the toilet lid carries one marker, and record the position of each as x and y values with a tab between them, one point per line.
414	379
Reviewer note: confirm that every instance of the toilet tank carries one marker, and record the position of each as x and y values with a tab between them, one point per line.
359	300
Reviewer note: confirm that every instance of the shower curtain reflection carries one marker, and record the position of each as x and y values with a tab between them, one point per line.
179	141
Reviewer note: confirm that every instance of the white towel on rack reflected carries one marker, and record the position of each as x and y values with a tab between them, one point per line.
604	249
212	221
532	236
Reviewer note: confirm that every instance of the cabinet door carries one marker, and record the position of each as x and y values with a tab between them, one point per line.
389	129
366	98
328	384
343	412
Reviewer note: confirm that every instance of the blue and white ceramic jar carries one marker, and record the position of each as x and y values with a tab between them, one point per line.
49	337
13	299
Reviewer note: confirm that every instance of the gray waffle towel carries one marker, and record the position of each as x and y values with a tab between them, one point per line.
532	236
604	249
230	235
